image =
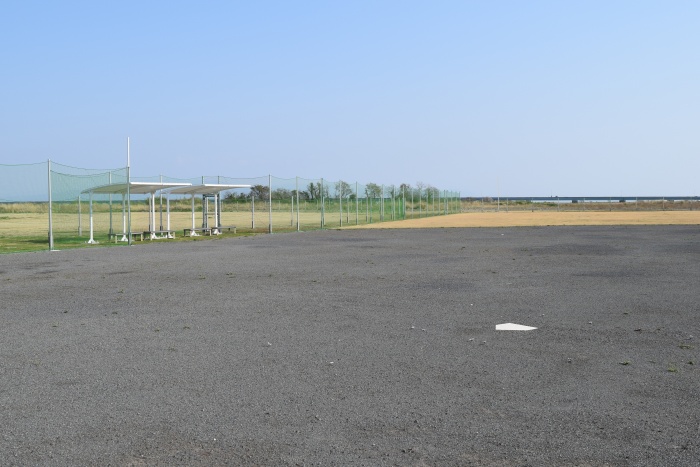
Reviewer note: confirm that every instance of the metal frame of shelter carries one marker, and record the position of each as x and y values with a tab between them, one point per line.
126	190
207	190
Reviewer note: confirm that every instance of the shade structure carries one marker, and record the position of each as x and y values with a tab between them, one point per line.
211	189
204	189
137	188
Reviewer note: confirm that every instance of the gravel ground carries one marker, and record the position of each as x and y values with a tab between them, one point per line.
357	348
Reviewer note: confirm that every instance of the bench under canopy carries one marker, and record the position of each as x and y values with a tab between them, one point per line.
211	189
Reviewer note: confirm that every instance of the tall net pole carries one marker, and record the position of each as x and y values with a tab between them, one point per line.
128	190
269	198
50	209
111	229
357	205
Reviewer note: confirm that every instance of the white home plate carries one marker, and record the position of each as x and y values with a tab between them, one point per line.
513	327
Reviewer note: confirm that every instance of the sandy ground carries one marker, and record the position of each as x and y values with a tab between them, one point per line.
535	218
360	348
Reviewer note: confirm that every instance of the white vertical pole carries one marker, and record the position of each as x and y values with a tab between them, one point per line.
111	230
161	205
340	203
357	205
420	203
50	209
80	218
167	204
381	205
252	211
153	214
193	233
92	239
128	189
367	218
216	213
269	198
124	239
403	202
297	186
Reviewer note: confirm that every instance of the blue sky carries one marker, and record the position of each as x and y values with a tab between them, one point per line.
519	98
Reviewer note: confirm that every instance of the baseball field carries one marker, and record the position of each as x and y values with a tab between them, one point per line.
360	347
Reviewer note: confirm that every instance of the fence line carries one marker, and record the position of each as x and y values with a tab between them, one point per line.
49	205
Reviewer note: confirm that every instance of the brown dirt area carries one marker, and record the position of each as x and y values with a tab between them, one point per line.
533	219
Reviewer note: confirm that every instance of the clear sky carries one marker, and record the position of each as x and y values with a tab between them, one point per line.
517	98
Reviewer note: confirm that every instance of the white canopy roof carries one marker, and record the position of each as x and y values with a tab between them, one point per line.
204	189
135	188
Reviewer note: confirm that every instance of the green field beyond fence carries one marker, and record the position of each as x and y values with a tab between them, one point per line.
49	205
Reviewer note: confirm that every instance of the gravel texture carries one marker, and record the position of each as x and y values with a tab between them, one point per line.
357	348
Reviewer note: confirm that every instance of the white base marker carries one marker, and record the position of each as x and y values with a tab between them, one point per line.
513	327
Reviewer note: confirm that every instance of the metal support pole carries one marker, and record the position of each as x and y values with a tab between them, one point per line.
381	205
220	204
205	214
128	189
269	198
323	218
403	202
161	205
50	209
217	224
297	186
412	204
92	238
192	232
357	206
167	200
124	239
111	230
252	210
420	204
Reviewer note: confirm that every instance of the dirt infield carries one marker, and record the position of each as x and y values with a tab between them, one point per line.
535	219
357	348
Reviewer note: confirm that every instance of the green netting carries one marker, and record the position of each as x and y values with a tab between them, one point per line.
23	183
76	215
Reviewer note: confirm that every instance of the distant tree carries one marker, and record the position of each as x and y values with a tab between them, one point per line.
420	186
259	191
314	190
431	192
372	190
343	189
281	193
233	196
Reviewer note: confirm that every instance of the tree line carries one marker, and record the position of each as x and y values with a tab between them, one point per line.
342	189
